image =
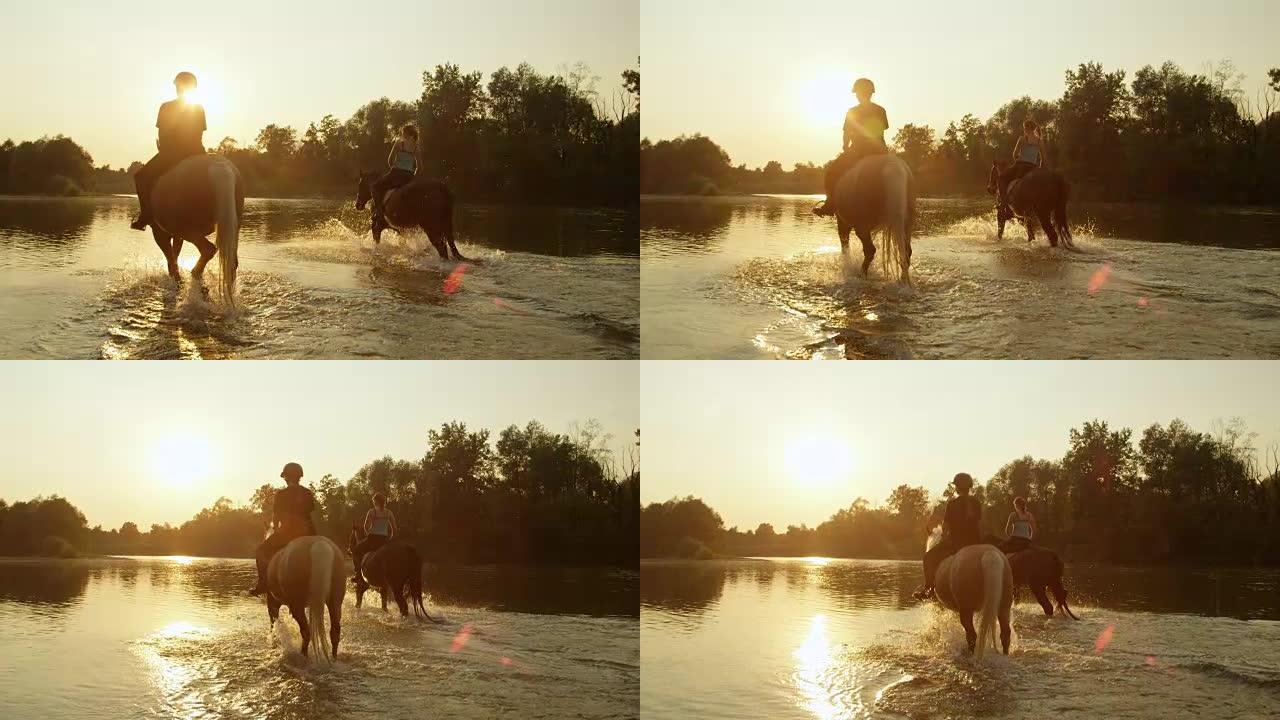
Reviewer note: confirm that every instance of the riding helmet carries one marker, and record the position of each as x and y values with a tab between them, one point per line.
864	83
291	468
963	480
185	78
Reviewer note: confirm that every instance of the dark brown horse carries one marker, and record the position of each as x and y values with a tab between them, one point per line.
1039	568
395	570
427	204
1038	198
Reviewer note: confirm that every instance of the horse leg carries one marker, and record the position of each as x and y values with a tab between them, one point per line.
273	607
1047	224
448	236
1043	599
971	635
1000	221
1006	632
335	623
436	242
1031	230
207	251
868	250
384	591
299	614
398	593
843	229
171	246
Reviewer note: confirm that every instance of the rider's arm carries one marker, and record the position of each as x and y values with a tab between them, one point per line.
1035	531
394	528
1041	153
1008	525
1017	149
368	522
391	156
848	136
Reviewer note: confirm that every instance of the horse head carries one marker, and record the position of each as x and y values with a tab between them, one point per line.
364	189
357	534
993	179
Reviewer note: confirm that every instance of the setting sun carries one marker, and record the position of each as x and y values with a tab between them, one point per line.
825	98
817	459
182	459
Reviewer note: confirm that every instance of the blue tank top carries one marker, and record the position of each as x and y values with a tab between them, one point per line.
405	160
1030	153
1022	528
381	523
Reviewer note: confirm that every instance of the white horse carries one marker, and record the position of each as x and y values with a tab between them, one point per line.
308	574
976	577
199	194
878	194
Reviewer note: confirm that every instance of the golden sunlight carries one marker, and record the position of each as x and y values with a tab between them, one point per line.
817	459
182	458
825	98
209	92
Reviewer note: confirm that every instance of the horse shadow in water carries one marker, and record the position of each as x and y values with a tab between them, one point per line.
1038	198
394	570
972	579
307	575
201	194
1040	569
427	204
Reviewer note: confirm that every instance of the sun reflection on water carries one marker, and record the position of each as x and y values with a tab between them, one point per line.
813	660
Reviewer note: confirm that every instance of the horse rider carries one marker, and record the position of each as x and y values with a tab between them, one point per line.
181	127
864	127
961	526
403	161
1028	155
379	528
1020	527
290	517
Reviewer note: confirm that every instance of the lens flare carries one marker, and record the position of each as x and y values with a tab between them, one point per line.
1099	279
1104	639
460	640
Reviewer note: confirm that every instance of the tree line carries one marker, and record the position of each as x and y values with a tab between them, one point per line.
1174	495
529	496
1167	135
520	137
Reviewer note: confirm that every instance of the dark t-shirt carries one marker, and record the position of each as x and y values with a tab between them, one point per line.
182	127
963	520
293	506
865	126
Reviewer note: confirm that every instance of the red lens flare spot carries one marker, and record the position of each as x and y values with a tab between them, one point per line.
460	640
1099	279
454	281
499	302
1104	639
1151	660
1142	302
506	661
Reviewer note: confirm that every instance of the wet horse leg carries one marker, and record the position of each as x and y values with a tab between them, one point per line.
300	615
1006	632
335	623
868	250
207	251
1047	224
971	635
1042	598
398	593
171	246
436	242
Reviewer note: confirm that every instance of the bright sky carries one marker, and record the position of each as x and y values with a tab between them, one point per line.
792	443
97	71
770	80
129	442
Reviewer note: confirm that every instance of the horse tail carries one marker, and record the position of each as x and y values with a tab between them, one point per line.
992	588
898	220
319	589
228	200
413	582
1059	591
1060	213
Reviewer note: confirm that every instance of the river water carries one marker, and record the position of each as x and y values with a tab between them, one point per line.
76	282
176	637
761	277
822	638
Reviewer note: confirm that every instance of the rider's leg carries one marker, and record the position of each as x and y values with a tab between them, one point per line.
142	181
831	175
269	547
